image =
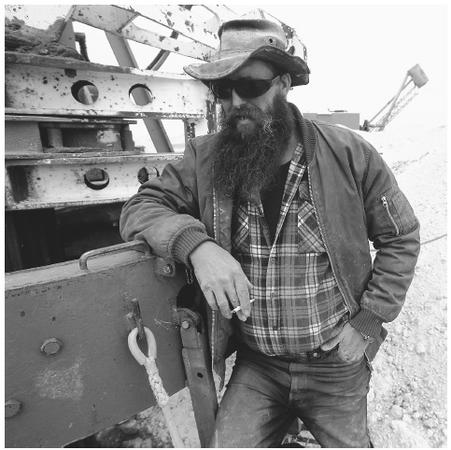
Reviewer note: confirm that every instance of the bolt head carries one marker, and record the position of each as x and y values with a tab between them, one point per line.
167	269
12	407
51	346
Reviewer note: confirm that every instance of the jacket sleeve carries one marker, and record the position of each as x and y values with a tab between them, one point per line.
165	211
394	231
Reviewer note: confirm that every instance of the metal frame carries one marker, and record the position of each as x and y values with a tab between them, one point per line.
68	369
48	178
52	81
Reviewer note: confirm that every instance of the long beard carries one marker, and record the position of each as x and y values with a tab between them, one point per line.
246	161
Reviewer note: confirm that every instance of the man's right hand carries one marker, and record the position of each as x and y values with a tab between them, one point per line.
222	280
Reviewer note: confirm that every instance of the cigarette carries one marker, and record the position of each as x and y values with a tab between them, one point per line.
238	308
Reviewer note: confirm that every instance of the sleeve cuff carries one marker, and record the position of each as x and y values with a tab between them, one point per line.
367	323
186	242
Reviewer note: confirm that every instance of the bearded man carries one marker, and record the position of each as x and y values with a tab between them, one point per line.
274	213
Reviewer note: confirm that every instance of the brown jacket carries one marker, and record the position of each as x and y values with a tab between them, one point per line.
356	199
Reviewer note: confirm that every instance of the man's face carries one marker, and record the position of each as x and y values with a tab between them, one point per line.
254	133
254	109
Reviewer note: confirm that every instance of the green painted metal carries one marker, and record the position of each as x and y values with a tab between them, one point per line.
89	380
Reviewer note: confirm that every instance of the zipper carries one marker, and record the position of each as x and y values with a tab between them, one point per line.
368	362
385	204
213	312
325	243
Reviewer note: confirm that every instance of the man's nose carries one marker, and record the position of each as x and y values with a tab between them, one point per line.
236	99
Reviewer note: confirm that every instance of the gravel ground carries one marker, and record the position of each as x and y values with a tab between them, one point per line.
407	400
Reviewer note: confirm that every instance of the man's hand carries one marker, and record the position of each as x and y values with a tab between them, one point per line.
352	344
222	280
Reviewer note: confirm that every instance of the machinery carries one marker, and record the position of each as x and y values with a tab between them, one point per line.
70	163
414	80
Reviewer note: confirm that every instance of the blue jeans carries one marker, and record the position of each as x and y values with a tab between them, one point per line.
265	394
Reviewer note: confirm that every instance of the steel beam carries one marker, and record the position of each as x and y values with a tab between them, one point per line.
52	86
184	21
119	21
61	180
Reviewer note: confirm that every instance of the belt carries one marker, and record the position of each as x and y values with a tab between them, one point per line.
313	355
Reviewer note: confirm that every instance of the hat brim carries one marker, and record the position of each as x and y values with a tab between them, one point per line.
223	67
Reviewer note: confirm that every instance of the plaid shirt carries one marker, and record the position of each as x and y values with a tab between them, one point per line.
298	305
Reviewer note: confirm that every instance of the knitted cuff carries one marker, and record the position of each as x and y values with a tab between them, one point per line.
186	242
367	323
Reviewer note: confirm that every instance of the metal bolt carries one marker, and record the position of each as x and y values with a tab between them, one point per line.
185	324
12	407
51	346
167	269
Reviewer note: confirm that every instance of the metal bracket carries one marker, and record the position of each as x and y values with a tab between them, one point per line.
165	267
198	372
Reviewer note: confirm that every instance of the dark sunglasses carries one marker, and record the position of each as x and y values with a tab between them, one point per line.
244	87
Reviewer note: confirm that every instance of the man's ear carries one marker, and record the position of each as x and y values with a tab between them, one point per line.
285	79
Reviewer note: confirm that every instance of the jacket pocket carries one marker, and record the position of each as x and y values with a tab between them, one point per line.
399	212
392	214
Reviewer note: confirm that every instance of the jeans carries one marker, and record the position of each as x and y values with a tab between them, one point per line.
265	395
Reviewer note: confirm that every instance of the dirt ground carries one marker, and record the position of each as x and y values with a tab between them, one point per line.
407	401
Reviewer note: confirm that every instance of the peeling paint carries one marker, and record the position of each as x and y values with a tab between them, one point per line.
61	384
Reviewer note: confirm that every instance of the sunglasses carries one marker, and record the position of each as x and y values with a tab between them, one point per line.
244	87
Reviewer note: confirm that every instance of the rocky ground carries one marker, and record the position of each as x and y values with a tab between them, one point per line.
407	402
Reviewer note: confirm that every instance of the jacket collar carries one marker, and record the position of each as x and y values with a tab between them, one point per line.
307	133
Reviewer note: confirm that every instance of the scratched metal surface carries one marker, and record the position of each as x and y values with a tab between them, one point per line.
119	20
58	180
44	85
93	382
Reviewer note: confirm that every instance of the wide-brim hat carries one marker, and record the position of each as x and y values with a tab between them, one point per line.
242	39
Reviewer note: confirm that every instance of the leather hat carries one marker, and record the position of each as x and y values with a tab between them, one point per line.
242	39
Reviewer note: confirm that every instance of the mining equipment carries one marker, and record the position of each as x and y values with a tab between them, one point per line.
414	79
70	163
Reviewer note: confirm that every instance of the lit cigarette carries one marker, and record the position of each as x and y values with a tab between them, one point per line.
238	308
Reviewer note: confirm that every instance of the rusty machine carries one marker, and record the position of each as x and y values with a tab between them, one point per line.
70	163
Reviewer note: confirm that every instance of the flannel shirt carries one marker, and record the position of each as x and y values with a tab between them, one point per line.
298	305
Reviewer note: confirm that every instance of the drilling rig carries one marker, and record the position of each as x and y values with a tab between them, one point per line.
414	80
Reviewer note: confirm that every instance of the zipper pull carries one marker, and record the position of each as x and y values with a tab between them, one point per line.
385	204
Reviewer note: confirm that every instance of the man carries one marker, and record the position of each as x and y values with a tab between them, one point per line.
273	214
